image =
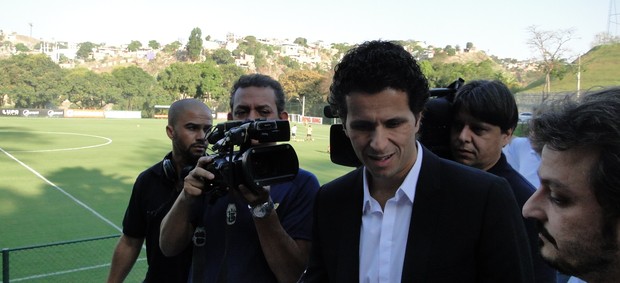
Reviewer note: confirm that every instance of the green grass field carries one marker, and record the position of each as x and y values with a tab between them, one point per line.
69	179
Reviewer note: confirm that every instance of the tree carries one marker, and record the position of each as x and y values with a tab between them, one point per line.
180	79
449	50
289	62
134	84
83	87
112	92
85	50
301	41
63	59
210	86
154	44
307	86
342	48
551	47
222	56
172	47
31	80
90	90
194	45
230	73
469	46
427	69
134	46
21	47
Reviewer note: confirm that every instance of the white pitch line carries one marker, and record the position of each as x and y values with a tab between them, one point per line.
62	191
108	141
67	271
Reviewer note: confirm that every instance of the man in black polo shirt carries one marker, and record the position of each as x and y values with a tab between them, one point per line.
154	193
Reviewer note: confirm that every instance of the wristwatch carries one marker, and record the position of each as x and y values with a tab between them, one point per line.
262	210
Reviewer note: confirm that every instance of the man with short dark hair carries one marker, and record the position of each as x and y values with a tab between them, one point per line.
154	192
484	118
250	236
577	205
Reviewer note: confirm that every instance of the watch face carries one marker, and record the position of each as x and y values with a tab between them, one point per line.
259	211
262	210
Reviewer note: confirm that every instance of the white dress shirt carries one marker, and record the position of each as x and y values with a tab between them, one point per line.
523	158
383	236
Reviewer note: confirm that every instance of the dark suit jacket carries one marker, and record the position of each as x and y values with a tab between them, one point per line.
523	190
465	227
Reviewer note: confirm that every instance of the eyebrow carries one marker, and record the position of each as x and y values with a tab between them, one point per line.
360	123
245	107
557	184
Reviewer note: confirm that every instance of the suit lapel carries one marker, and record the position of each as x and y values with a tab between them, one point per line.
424	216
349	242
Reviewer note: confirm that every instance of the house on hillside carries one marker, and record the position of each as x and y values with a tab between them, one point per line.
246	61
290	49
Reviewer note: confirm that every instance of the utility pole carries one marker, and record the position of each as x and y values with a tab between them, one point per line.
30	24
578	75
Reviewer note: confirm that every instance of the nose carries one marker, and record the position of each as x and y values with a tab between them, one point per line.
202	135
533	206
253	115
379	139
464	134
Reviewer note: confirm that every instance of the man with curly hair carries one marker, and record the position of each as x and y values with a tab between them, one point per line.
407	215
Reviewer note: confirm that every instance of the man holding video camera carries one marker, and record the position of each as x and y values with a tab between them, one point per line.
244	235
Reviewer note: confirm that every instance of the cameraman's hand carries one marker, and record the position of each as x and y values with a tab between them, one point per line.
194	182
260	196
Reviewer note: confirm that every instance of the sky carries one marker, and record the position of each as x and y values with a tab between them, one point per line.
498	27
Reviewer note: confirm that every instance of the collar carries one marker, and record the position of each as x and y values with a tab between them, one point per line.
407	188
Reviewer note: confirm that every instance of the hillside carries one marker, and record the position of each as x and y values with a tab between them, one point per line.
600	67
461	58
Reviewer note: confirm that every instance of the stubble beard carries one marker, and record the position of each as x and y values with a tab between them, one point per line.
584	257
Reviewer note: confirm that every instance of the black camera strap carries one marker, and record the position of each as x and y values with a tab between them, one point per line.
231	218
199	255
199	250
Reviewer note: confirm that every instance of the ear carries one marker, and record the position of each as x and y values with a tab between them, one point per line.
418	118
506	137
283	115
170	131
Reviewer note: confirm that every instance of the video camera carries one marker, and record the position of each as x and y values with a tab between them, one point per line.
434	131
253	166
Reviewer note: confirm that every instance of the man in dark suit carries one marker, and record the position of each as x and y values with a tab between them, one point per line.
407	215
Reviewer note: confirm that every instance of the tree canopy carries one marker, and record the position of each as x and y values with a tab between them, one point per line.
154	44
134	46
31	80
194	45
85	50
